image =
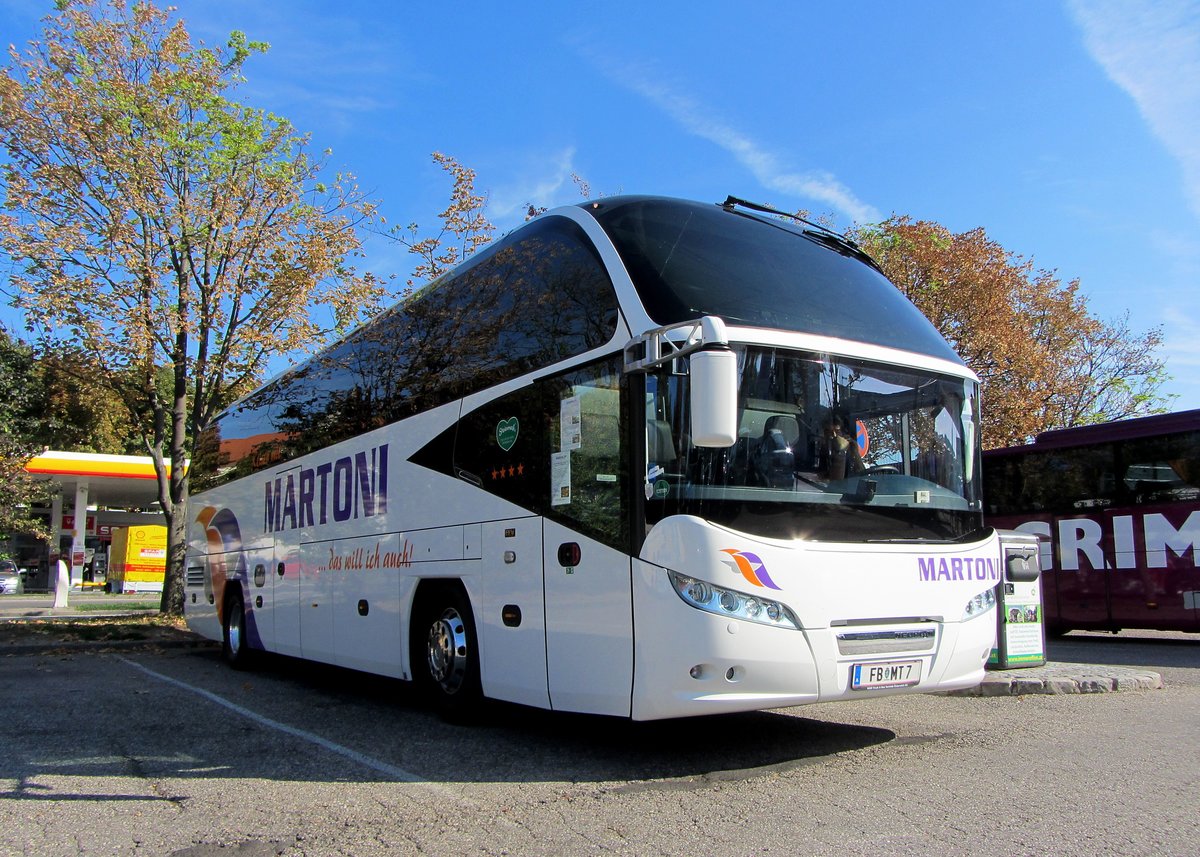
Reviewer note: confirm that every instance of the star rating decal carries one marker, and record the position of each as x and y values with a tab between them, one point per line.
512	471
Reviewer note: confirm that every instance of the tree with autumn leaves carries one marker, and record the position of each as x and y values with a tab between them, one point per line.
154	223
180	240
1045	361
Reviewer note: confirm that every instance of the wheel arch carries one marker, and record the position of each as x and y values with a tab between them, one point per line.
431	595
232	588
427	589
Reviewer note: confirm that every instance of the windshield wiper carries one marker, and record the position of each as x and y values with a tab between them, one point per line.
822	235
838	243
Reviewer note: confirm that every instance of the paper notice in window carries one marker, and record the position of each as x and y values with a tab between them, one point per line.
571	425
560	478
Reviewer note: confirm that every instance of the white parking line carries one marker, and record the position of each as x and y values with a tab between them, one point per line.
366	761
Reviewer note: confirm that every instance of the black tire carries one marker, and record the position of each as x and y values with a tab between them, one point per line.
444	650
234	646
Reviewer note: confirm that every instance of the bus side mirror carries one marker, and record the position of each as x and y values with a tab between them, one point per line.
714	398
1021	564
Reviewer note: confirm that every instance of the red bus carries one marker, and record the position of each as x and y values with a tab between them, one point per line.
1118	508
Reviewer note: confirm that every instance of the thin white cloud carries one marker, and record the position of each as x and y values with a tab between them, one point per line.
308	73
1182	339
542	189
767	168
1181	347
1152	51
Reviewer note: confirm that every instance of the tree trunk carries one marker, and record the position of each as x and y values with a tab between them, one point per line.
173	582
177	520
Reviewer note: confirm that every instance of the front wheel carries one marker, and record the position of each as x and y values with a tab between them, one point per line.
445	653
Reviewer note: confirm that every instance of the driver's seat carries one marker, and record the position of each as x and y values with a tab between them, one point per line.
775	458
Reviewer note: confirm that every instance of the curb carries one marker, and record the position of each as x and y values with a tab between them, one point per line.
148	637
1063	678
70	614
100	646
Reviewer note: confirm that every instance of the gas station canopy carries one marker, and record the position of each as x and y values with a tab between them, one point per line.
123	481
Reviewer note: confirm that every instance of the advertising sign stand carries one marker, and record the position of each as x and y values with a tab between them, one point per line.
1020	629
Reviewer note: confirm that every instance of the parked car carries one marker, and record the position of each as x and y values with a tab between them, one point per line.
11	579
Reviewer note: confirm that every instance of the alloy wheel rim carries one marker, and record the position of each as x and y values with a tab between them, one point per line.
447	651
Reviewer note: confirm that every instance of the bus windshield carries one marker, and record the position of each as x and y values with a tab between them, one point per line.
829	448
687	260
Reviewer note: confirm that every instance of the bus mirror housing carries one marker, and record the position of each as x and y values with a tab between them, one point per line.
1021	563
712	367
714	398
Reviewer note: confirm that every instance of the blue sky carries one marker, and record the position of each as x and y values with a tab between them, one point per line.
1070	131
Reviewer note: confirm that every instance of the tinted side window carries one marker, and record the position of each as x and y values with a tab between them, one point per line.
243	441
1161	469
589	459
1091	481
527	305
1058	481
538	297
555	448
1003	485
504	448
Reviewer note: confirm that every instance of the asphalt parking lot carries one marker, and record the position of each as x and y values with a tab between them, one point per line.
152	749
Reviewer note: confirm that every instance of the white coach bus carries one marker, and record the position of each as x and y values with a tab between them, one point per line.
641	457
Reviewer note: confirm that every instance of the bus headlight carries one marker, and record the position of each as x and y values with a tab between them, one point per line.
733	604
980	604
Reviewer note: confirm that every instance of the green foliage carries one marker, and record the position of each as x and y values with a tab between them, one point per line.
18	388
178	238
76	407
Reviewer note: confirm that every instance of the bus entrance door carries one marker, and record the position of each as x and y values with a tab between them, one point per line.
589	624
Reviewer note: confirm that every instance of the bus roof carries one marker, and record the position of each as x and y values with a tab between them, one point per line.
1137	427
733	260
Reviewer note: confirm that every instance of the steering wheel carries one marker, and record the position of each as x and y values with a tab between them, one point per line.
882	468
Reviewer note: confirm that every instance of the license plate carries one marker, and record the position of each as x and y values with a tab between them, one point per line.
885	674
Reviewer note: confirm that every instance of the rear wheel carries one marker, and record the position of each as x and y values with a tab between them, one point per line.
233	647
445	652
